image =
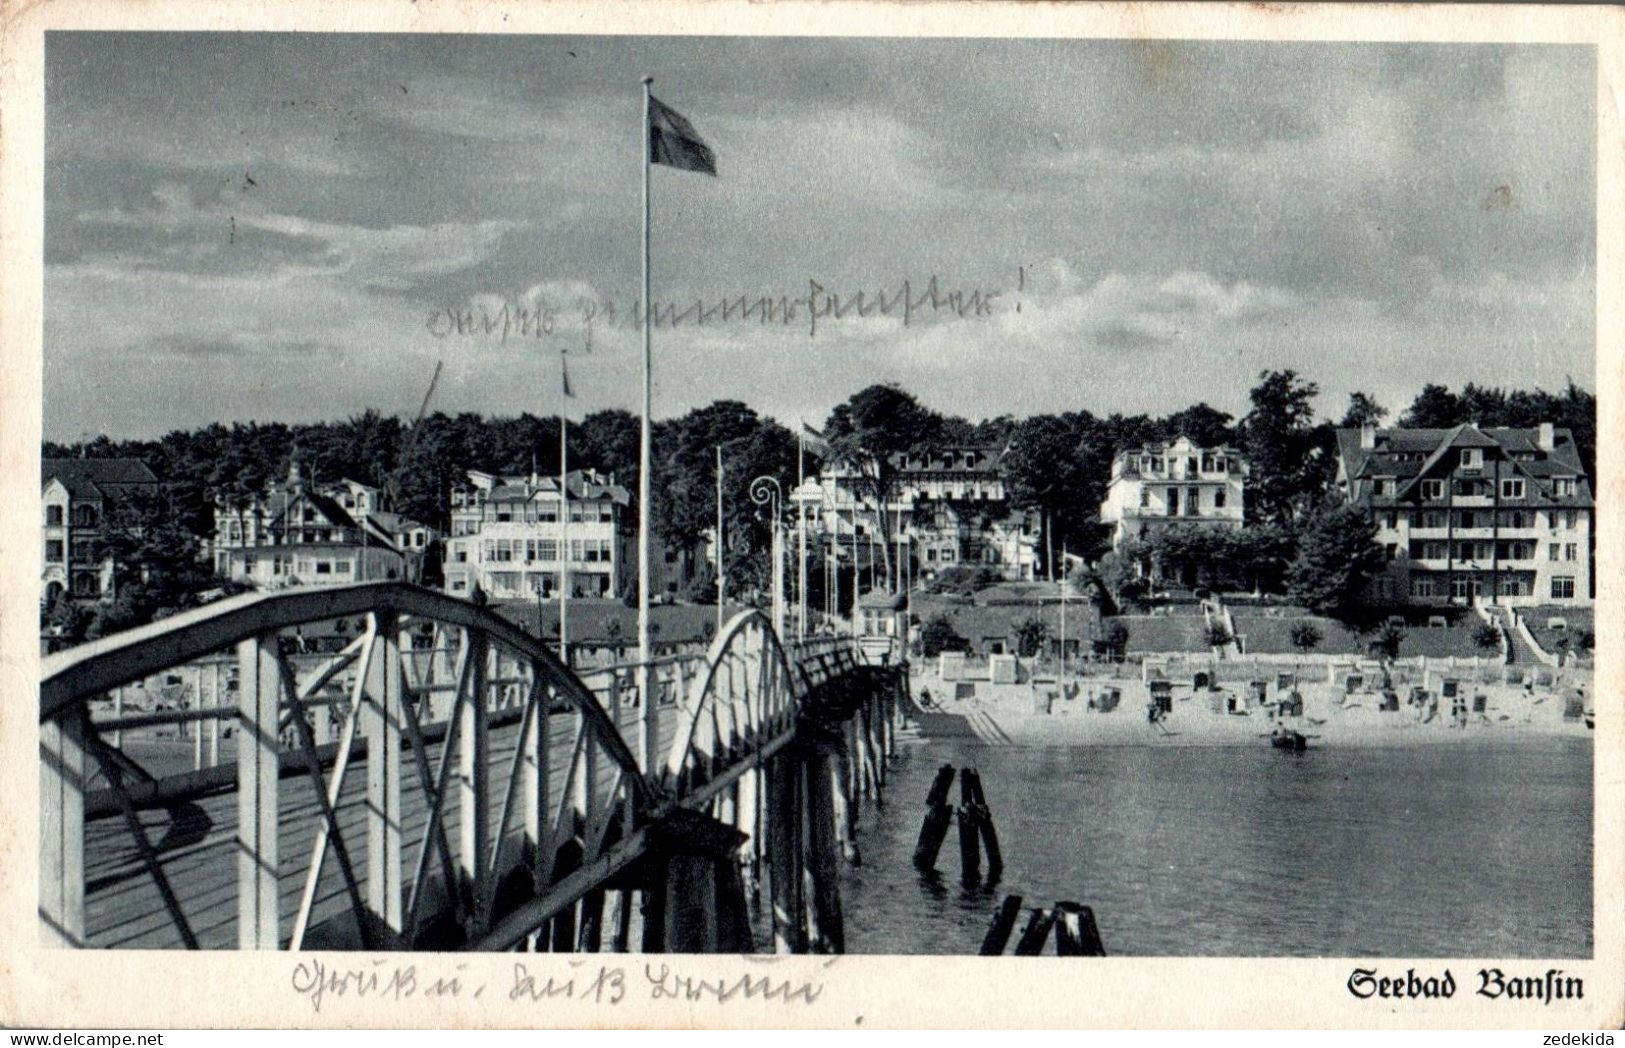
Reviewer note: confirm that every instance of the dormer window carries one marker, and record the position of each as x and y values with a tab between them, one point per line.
1563	486
1472	458
1381	487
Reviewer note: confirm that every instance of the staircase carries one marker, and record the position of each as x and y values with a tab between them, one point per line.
1519	653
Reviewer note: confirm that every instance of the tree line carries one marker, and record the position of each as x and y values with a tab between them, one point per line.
1057	465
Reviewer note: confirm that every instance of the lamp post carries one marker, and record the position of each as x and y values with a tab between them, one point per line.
765	491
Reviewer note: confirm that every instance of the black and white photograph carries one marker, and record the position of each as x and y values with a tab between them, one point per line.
662	492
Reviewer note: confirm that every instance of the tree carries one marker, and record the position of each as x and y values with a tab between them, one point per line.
1289	464
1387	642
1338	557
1113	640
1203	425
1363	411
1305	636
1030	637
939	636
1434	408
1486	637
686	479
1058	465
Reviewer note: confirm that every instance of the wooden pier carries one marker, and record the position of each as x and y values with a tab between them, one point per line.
445	783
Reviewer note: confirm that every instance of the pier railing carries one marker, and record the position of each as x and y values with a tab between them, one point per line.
443	781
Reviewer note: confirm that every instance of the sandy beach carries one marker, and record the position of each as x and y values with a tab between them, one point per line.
1009	714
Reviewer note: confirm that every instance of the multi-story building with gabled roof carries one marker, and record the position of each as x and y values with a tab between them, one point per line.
1474	512
299	535
78	494
947	507
508	537
1163	485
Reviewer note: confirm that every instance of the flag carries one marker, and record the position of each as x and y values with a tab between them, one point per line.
815	441
564	370
674	142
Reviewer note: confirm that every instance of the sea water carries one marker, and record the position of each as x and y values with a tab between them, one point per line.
1418	851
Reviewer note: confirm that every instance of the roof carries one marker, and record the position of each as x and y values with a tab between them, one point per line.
584	485
1160	447
90	478
988	457
883	600
1408	454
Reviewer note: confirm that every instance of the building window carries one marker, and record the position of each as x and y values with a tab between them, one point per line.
1393	520
1571	552
53	516
1563	486
1218	499
1472	458
1422	586
1512	488
1145	498
324	567
53	551
1433	489
342	567
1562	587
1553	552
1379	488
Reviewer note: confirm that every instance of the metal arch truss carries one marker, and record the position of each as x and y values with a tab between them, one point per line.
443	781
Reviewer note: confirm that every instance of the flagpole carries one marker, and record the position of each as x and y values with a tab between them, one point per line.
1063	611
564	528
722	578
647	732
801	531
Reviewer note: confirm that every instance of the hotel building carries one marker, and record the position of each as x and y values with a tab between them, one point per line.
1474	513
507	537
1163	485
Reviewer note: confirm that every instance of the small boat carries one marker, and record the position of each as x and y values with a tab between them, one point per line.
1287	739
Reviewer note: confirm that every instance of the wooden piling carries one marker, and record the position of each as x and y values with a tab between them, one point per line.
621	922
999	929
823	874
591	936
938	814
841	804
970	825
1076	934
563	935
971	783
783	807
1033	937
970	850
704	908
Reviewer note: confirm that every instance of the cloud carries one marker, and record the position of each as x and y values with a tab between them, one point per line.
1186	214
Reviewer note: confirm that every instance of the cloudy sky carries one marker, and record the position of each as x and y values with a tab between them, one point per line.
283	227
